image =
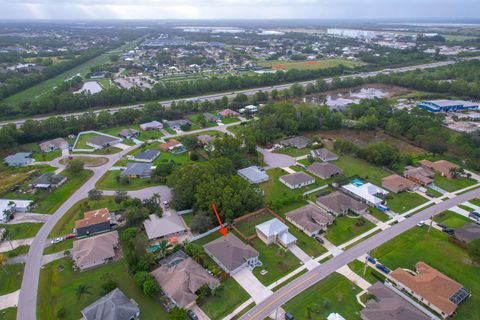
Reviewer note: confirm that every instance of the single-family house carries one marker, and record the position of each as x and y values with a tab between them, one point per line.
129	133
164	227
115	305
387	304
231	254
138	170
275	231
249	109
177	124
147	155
52	145
419	175
441	167
173	146
48	180
298	142
297	180
366	192
180	277
396	184
324	154
338	203
253	174
228	113
93	222
95	251
310	219
210	117
102	141
153	125
324	170
205	139
433	288
19	159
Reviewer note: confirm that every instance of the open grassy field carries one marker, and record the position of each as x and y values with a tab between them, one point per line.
22	230
11	278
108	182
451	219
276	261
8	314
294	152
345	228
451	185
49	156
333	294
404	201
10	177
356	167
434	248
229	120
231	296
308	65
57	290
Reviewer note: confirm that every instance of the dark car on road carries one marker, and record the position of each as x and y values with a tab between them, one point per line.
449	231
382	268
192	315
442	226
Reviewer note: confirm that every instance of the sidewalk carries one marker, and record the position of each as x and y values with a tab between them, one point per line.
9	300
5	245
355	278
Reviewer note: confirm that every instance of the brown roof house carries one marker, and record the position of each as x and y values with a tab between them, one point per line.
434	289
310	219
297	180
95	221
94	251
468	233
180	278
396	184
173	146
324	170
388	305
442	167
338	203
324	154
231	254
228	113
52	145
419	175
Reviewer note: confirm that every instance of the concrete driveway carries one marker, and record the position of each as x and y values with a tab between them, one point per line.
252	285
302	256
276	160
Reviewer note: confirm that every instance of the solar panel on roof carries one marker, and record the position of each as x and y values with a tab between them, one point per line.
460	296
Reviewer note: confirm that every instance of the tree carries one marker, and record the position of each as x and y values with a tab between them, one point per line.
75	166
95	194
202	222
178	314
7	236
164	247
151	288
473	249
81	290
3	260
121	196
142	277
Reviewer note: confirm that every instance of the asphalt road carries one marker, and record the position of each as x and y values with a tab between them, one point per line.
252	91
278	298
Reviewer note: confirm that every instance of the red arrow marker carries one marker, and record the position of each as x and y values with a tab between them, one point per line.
223	230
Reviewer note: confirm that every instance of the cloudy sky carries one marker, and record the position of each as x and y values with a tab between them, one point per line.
238	9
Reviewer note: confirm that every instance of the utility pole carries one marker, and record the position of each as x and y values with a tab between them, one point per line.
431	221
365	264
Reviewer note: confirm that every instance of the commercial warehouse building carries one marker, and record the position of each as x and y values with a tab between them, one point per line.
447	105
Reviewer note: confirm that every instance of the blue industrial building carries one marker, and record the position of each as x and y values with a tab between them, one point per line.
447	105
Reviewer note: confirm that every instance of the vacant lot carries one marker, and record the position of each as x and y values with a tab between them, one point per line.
333	294
434	248
10	278
404	201
308	65
451	185
356	167
345	228
451	219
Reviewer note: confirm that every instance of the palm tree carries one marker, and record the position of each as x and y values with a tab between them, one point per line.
163	247
3	260
82	290
7	236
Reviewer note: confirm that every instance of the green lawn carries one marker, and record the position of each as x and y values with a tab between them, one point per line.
11	278
83	139
404	201
20	176
475	201
308	244
229	120
434	248
356	167
22	230
57	197
344	229
49	156
466	208
333	294
18	251
303	65
8	314
276	261
294	152
371	275
247	226
451	185
57	290
434	193
108	182
232	295
451	219
378	214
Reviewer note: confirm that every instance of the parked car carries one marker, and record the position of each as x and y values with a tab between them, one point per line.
449	231
371	260
421	223
192	315
382	268
319	239
442	226
70	236
57	240
165	203
289	316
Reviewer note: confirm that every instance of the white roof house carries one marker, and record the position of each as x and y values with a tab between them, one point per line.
275	231
7	205
335	316
366	192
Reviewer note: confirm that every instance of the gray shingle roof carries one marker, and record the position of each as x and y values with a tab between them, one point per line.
138	169
298	142
324	170
296	178
49	178
101	140
148	154
113	306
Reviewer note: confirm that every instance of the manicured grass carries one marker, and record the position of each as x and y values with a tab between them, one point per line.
166	156
451	185
356	167
59	247
371	275
475	201
404	201
57	197
378	214
108	182
22	230
247	226
229	120
451	219
276	261
57	290
294	152
344	229
333	294
18	251
170	130
83	139
308	244
231	296
143	136
11	278
8	314
303	65
434	248
434	193
49	156
466	208
278	287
